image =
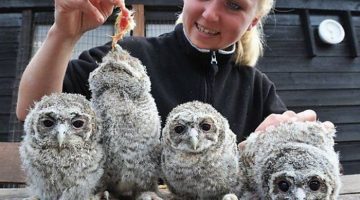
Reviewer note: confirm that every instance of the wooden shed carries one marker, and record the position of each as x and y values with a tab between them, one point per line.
308	73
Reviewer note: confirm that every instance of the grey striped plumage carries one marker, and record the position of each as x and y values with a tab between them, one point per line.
291	161
61	153
200	155
121	97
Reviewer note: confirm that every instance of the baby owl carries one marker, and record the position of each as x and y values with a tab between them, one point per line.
61	153
131	124
200	156
291	161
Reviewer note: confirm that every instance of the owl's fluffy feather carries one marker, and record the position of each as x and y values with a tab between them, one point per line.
121	97
283	161
199	160
61	153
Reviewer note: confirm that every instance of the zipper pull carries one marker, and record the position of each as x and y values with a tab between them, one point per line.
213	58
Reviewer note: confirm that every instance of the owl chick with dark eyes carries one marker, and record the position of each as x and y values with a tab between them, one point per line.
200	155
291	161
61	153
121	97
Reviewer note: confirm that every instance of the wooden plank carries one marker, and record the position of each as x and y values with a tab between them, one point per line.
139	19
352	167
291	48
288	48
350	190
308	33
7	68
6	85
349	151
352	5
304	81
347	132
5	103
9	34
351	34
290	18
326	50
21	4
283	33
10	19
303	64
350	197
10	164
303	98
351	184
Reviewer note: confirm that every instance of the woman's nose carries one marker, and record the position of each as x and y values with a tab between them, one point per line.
211	11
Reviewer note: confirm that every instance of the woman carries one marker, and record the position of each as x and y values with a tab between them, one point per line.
206	58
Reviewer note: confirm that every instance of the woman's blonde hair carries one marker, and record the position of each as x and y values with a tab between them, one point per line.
250	46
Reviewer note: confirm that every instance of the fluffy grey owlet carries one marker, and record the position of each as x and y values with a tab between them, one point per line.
200	156
294	161
121	97
61	153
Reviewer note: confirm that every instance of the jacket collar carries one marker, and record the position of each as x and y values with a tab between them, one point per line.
223	56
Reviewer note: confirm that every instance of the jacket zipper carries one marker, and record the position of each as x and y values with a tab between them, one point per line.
209	81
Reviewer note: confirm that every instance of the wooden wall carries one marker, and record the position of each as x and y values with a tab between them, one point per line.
308	74
10	27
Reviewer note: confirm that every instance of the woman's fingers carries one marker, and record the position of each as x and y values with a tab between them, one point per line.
288	116
307	115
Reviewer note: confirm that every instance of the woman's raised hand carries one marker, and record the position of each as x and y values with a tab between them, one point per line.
75	17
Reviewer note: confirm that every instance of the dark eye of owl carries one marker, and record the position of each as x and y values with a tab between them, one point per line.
78	123
179	129
284	185
48	123
314	185
205	126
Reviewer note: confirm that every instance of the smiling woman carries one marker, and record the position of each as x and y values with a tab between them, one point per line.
218	24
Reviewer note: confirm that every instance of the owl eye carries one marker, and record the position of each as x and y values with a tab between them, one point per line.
205	126
314	185
284	186
179	129
48	123
78	123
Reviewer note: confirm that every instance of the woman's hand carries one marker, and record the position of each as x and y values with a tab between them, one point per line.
75	17
287	116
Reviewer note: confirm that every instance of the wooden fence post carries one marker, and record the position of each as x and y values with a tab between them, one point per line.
139	17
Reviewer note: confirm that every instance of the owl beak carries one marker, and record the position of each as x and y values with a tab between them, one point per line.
194	138
61	135
300	194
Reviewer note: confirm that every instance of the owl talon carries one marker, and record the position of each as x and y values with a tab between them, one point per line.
32	198
230	197
149	196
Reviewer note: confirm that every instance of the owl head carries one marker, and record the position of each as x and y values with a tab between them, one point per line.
61	121
120	72
194	127
299	172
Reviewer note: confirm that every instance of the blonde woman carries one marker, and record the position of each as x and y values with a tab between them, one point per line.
208	57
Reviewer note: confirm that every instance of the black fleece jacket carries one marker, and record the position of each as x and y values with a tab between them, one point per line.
180	73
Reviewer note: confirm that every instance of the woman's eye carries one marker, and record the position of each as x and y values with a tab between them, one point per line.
78	123
179	129
48	123
233	5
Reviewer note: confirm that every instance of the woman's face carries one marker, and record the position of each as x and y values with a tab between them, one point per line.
216	24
